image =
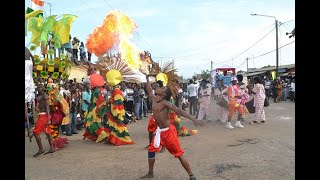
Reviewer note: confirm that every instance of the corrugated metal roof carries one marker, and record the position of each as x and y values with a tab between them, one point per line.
272	68
254	73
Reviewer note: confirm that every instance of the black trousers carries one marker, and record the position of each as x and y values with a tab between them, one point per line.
193	105
129	106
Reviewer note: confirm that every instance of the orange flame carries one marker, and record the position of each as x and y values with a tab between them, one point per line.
116	29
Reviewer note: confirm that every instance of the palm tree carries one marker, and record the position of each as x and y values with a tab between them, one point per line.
195	77
205	74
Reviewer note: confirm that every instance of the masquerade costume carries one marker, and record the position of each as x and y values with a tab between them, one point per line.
59	116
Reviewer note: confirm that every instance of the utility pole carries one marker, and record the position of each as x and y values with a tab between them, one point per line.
211	65
247	64
277	51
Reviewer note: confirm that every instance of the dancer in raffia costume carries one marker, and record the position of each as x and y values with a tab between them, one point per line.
96	111
115	130
115	127
59	110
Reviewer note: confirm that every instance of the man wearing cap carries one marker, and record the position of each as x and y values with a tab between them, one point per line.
234	93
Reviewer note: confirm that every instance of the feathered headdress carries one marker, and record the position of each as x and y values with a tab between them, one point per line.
167	74
115	69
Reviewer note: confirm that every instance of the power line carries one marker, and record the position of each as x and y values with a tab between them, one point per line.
215	43
254	44
286	27
124	4
202	48
241	64
266	53
273	50
108	4
247	48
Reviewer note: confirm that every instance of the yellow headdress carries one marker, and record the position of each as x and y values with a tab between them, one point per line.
115	69
167	74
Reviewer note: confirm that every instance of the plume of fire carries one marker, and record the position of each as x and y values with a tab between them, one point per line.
103	37
116	31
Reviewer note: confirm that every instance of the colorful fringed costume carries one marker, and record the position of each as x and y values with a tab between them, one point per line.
176	121
58	142
116	128
182	130
96	110
59	115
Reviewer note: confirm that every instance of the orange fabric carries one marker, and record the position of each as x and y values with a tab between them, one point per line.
152	126
41	125
231	95
169	140
232	108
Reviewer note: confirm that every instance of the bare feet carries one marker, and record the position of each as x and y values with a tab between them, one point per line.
50	151
39	153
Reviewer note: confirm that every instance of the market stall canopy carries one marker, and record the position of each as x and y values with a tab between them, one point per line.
225	69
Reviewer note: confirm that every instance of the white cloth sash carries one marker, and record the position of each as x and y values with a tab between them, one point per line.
157	138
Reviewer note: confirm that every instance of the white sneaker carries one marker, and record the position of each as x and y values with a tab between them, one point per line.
229	125
239	125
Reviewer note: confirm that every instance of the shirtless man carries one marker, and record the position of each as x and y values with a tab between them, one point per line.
42	124
166	133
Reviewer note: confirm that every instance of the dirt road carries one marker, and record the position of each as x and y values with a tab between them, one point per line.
259	151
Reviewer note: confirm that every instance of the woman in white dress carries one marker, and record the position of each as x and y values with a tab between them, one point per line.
259	97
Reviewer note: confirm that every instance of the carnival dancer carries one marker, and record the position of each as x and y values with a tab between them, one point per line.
59	110
166	133
117	132
234	94
42	124
96	111
174	120
245	98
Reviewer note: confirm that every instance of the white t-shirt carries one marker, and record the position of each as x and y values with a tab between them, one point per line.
192	89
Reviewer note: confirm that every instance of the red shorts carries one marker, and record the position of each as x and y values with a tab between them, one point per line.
169	140
41	125
152	126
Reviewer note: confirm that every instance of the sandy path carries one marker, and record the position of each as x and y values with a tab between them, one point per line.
267	153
